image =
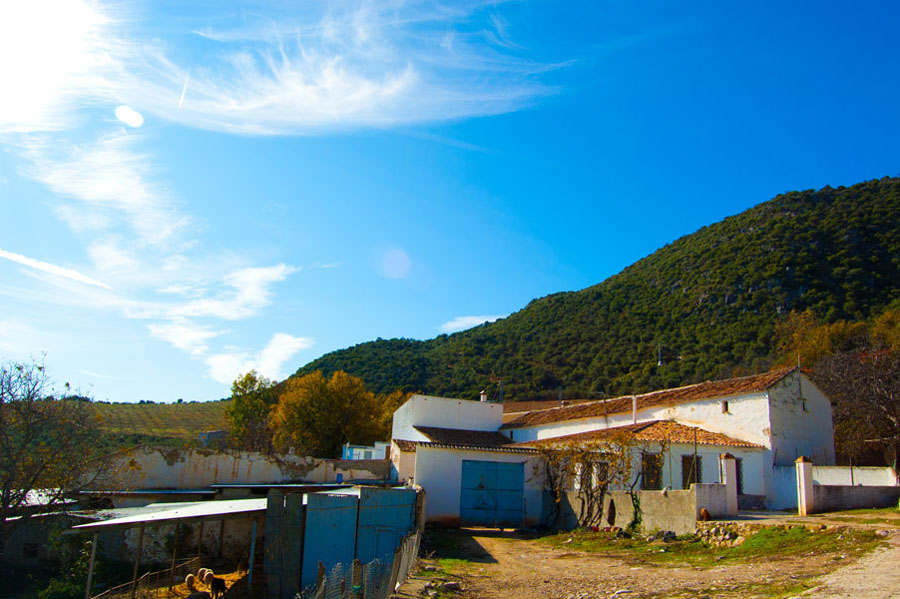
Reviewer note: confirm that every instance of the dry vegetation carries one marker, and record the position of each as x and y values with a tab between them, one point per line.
172	424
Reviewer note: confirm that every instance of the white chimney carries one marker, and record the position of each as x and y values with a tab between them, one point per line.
483	395
634	409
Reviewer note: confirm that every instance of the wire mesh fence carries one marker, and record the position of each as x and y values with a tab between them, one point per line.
374	580
152	585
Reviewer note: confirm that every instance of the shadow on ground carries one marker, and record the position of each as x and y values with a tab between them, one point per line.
463	543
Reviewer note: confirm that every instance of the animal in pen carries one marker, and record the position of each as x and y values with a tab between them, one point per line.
217	587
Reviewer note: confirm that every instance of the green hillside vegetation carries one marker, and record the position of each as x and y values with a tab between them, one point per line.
173	424
709	300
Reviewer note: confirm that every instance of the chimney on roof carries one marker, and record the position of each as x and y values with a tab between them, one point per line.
633	409
483	396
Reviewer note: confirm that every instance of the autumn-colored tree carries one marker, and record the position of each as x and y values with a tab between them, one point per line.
886	330
49	447
802	335
252	397
865	389
316	416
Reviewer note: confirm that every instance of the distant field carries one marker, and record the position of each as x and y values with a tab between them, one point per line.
170	424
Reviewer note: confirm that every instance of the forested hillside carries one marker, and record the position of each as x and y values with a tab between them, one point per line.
709	301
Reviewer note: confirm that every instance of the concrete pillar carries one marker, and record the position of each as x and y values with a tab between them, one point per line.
804	486
728	468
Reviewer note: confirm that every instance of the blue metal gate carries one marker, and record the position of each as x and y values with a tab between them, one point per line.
492	493
330	533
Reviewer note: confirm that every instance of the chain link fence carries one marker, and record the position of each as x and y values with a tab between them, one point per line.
377	579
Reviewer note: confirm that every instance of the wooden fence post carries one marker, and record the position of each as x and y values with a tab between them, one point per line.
395	569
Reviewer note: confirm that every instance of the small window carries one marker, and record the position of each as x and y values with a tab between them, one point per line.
691	467
651	471
367	455
724	407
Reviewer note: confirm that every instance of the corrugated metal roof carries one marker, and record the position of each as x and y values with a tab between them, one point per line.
155	514
665	397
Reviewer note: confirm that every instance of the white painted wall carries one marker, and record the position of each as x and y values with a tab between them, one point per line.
378	451
747	419
866	476
404	464
150	468
444	412
797	432
439	472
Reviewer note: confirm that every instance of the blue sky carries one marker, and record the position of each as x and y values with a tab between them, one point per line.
188	193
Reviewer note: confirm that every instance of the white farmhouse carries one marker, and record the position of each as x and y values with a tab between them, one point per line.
469	457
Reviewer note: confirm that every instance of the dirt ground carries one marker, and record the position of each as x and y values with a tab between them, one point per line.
495	565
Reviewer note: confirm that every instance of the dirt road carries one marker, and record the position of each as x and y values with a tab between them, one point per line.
875	576
503	565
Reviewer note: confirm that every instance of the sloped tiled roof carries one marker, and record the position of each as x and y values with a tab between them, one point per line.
665	397
656	430
405	445
456	436
514	407
412	446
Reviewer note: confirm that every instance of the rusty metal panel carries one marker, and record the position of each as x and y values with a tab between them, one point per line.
292	545
385	517
329	535
273	552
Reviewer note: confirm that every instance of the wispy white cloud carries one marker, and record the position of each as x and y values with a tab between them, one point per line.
248	290
53	269
460	323
109	183
225	367
185	336
325	66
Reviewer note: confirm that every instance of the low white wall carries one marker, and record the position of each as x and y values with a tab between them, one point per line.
150	468
439	472
713	497
866	476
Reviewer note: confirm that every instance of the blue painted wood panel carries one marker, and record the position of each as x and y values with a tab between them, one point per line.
329	534
385	517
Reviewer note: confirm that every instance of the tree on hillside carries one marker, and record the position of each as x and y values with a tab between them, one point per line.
252	397
48	447
865	388
316	416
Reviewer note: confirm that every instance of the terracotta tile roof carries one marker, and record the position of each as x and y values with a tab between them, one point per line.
405	445
455	436
412	446
665	397
655	430
500	449
517	407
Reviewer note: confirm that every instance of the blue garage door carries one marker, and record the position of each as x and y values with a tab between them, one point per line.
492	493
